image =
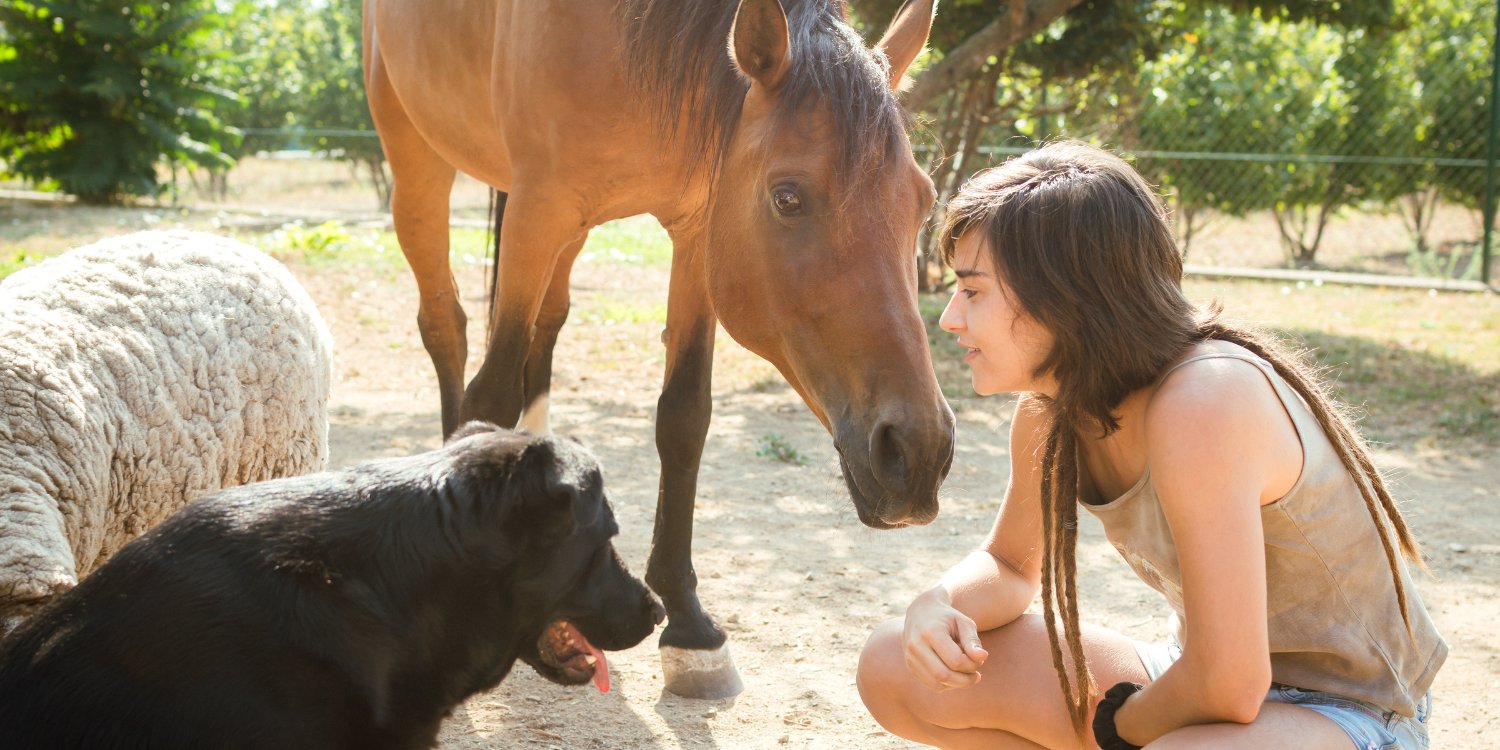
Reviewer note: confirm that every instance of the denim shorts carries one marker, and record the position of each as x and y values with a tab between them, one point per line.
1369	726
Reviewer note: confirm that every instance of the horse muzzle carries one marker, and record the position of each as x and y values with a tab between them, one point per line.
894	467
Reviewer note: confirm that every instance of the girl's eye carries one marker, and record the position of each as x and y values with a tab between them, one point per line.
968	293
788	203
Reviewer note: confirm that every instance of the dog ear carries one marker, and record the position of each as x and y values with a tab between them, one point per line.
541	493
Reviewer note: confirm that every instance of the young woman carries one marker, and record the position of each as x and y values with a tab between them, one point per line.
1221	470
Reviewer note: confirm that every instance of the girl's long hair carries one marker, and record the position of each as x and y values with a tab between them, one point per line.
1085	247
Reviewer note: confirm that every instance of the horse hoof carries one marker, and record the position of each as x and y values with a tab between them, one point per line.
700	674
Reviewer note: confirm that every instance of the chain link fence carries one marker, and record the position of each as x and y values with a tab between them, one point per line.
1284	148
1294	145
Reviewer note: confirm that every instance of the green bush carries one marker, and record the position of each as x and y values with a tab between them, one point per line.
296	70
98	93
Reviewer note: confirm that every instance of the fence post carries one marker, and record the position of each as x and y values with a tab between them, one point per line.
1494	145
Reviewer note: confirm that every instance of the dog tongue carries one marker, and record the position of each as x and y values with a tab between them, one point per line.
601	669
562	634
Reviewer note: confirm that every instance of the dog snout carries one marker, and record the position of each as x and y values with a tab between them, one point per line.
658	612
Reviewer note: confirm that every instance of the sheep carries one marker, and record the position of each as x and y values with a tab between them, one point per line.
137	374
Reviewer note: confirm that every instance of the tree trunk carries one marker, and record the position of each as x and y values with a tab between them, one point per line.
1416	210
966	59
975	105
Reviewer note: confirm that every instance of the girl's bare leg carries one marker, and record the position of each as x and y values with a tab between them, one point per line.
1278	725
1018	702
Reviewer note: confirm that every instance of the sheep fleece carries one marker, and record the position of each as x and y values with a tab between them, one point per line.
137	374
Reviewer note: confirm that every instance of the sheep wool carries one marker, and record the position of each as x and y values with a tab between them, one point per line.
137	374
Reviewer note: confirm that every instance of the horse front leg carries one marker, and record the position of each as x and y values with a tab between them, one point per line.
538	228
421	182
549	322
440	316
695	658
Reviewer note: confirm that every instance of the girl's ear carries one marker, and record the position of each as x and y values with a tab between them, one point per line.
906	37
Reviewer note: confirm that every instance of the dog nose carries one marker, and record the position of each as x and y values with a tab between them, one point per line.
658	612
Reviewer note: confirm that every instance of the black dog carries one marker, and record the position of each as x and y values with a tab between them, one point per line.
350	609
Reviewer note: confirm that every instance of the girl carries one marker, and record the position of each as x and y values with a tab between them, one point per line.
1221	470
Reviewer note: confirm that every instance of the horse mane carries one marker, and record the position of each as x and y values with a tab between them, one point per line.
677	52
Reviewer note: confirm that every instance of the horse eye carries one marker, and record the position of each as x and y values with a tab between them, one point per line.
787	201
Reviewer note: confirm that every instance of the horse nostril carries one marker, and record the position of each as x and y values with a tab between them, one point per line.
888	458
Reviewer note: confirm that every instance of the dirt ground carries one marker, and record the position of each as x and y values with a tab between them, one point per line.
783	562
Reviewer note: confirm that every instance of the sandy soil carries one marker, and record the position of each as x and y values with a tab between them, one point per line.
783	562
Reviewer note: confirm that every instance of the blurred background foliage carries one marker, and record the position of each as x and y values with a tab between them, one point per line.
1303	113
94	94
1320	121
104	99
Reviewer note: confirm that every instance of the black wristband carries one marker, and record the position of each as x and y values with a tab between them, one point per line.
1104	717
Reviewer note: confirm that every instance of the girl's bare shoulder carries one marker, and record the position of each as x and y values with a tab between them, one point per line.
1221	411
1200	384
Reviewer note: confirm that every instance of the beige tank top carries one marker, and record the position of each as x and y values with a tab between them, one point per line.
1334	622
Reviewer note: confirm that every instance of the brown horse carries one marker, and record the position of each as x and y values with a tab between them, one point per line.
765	138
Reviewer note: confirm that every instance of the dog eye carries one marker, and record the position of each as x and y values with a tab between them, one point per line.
786	199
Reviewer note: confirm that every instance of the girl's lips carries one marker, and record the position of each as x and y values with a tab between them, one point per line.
972	353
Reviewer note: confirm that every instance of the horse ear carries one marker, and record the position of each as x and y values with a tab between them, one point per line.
906	37
760	42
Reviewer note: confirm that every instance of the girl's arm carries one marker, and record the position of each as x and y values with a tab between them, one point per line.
992	585
1220	445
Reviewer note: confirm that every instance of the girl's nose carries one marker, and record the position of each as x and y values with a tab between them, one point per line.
951	320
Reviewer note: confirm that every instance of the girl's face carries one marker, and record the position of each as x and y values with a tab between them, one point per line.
1005	345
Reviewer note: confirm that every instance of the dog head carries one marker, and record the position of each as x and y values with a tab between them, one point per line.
572	594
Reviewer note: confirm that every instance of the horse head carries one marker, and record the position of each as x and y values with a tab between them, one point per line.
812	237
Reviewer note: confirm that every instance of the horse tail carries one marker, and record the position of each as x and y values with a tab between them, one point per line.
492	245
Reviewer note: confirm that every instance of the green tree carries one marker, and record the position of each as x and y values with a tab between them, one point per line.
334	99
1297	62
1266	95
296	70
1197	98
1383	130
1012	73
101	92
968	34
1453	68
9	109
240	58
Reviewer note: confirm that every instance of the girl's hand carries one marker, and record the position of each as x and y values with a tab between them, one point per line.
941	644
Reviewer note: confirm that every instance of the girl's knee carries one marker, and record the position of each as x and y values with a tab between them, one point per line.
883	680
882	654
